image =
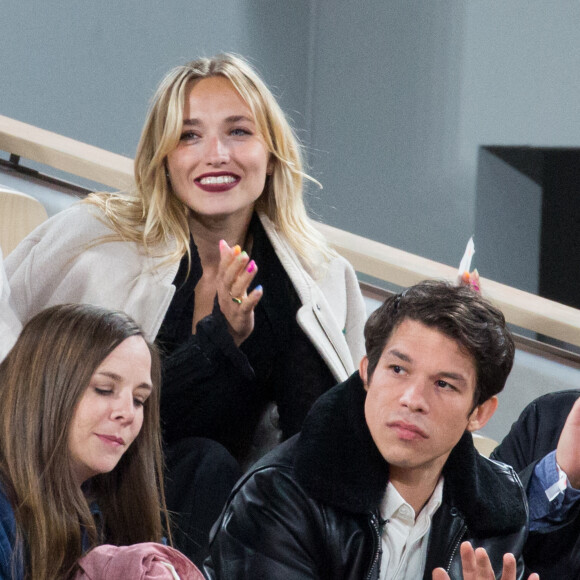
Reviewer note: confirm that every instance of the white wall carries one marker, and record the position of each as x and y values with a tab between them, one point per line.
88	69
386	93
392	97
404	95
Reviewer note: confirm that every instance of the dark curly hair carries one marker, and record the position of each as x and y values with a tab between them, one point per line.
460	313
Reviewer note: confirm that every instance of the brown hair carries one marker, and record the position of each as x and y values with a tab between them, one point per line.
459	312
41	382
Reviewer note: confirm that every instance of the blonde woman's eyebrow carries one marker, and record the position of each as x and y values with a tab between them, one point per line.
195	122
238	118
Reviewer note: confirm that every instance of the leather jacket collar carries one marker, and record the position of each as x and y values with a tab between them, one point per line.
338	463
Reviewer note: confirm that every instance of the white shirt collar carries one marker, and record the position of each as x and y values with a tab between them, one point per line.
405	535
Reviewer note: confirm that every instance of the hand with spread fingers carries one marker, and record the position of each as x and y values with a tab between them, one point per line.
476	566
236	272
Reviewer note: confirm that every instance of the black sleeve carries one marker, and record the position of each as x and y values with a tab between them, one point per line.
208	387
265	532
537	430
517	448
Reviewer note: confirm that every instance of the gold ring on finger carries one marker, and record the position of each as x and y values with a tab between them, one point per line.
236	299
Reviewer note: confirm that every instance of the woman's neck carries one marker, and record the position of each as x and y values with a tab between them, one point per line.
207	233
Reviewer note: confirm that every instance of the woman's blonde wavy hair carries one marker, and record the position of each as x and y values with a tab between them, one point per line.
153	216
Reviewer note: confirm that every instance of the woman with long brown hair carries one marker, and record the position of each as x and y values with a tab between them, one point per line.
80	452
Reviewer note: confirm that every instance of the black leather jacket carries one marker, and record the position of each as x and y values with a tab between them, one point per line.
309	509
553	553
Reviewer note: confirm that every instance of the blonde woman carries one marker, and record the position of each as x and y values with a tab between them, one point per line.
80	451
214	255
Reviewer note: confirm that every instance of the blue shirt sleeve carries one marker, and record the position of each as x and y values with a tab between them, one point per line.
550	500
7	531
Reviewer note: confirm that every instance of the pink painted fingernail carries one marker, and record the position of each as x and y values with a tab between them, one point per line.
222	244
251	267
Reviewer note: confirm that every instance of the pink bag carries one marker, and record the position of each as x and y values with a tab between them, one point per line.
147	561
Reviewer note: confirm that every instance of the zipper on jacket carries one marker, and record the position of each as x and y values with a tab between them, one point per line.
460	537
377	526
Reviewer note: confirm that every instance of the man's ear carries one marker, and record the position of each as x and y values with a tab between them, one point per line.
482	414
362	369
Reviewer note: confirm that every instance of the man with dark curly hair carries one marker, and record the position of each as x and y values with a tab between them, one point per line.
383	481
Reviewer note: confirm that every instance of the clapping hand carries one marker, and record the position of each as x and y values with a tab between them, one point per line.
235	273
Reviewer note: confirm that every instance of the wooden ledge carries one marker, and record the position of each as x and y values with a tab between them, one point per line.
66	154
404	269
368	257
